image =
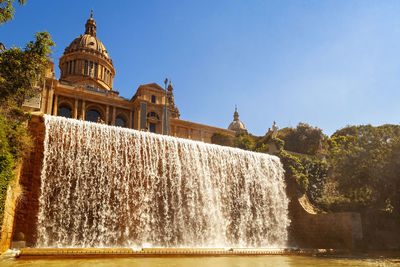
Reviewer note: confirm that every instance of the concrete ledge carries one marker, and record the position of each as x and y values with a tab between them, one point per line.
162	252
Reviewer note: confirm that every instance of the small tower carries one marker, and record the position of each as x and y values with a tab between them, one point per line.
171	102
236	125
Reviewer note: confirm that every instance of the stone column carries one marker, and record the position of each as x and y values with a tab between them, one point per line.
55	105
107	114
76	109
83	109
113	115
130	120
50	99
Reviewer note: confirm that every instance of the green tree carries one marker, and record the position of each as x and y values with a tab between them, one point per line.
21	70
244	141
303	139
223	139
7	10
365	164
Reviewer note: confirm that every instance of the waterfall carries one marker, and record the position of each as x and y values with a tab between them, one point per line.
105	186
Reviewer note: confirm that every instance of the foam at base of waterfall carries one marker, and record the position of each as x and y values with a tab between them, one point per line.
105	186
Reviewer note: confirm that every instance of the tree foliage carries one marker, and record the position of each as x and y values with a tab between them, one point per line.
316	171
244	141
20	70
7	10
223	139
365	164
303	139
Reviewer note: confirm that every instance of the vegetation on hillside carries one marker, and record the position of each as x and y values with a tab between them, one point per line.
20	71
365	162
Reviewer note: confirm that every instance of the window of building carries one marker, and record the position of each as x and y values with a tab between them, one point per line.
93	115
64	111
95	70
86	67
70	67
74	70
153	99
119	121
152	127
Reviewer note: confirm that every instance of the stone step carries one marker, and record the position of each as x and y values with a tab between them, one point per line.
156	252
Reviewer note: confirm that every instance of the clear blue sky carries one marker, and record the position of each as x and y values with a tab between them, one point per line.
326	63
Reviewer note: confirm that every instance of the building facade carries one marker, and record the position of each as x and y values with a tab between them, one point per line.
85	91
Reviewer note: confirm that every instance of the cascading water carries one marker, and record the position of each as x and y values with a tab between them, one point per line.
103	186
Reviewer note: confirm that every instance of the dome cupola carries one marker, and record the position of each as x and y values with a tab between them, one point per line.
236	125
86	60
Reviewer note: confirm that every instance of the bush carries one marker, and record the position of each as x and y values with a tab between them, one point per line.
223	139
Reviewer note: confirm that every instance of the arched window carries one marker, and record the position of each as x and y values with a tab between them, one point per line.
119	121
64	111
153	114
93	115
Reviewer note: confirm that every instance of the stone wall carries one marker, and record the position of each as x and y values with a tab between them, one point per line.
28	204
7	227
311	230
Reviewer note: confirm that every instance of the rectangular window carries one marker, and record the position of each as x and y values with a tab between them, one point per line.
86	67
95	69
152	127
74	71
70	67
153	99
66	68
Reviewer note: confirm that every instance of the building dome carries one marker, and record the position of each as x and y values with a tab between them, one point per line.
237	125
88	43
86	61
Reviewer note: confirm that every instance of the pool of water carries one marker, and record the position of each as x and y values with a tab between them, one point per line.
232	261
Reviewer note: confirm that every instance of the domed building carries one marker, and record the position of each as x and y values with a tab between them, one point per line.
86	61
237	125
85	91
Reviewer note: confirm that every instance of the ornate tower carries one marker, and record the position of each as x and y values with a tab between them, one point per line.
171	102
86	61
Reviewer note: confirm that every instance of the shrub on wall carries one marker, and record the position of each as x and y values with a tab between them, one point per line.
221	138
15	142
